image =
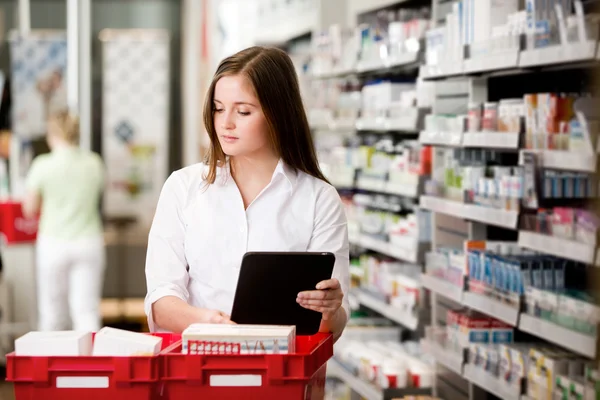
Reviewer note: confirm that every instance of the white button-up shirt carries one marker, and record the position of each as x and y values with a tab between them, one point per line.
201	232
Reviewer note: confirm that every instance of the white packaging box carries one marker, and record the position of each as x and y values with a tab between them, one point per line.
253	339
117	342
58	343
491	13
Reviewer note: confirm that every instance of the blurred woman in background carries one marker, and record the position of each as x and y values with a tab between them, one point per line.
65	187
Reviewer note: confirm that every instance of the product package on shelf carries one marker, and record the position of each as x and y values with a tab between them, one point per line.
386	363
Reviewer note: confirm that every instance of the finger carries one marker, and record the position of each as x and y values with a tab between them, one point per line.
321	303
320	294
329	284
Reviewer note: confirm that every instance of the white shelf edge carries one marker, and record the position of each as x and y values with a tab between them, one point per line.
390	188
563	160
490	384
284	31
442	288
387	249
560	54
361	387
407	124
359	7
558	247
492	307
492	62
486	215
571	340
448	359
441	138
404	59
492	140
409	321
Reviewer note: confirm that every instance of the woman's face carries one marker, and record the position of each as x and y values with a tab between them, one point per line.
238	118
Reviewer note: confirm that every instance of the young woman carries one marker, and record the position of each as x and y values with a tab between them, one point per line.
260	189
66	185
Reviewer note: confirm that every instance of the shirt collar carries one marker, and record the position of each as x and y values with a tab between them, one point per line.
283	169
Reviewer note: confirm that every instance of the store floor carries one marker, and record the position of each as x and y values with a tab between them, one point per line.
6	391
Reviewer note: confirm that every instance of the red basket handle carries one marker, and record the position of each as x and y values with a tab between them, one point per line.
216	370
120	369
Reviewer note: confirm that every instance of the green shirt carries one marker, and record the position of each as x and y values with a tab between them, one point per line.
70	183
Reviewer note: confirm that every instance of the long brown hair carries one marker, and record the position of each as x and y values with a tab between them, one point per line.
273	77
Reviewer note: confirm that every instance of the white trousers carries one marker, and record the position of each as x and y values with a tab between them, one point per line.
70	277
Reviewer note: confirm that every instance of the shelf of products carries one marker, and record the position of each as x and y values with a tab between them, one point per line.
556	246
443	287
487	215
388	249
366	390
573	52
564	160
491	140
567	338
452	360
490	383
489	306
395	314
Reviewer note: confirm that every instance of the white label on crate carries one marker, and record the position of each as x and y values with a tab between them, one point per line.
235	380
82	382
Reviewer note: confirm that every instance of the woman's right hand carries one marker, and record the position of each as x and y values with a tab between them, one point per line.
215	317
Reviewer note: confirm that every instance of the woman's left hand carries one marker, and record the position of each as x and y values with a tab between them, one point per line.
327	299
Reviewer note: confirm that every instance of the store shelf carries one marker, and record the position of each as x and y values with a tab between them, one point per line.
490	384
442	287
486	215
558	247
574	52
450	359
450	68
366	390
404	124
492	140
392	313
287	29
441	138
564	160
358	7
380	186
402	60
493	308
492	62
571	340
386	248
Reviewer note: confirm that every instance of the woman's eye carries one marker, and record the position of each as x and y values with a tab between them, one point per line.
218	110
243	113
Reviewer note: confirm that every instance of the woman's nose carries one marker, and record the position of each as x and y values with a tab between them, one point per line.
228	121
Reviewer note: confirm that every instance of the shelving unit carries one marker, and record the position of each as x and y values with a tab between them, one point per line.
454	220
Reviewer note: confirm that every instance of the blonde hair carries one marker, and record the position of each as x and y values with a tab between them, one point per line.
66	126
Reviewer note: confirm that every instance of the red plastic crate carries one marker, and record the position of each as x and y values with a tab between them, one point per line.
233	377
14	226
88	377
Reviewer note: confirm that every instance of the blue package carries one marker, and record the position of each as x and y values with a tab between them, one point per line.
559	275
536	273
473	264
502	336
525	276
548	274
504	275
488	273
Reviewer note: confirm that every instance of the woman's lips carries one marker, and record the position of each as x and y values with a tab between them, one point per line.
229	139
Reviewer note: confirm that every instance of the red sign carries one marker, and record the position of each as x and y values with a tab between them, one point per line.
14	226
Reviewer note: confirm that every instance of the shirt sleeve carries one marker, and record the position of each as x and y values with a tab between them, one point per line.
166	264
330	234
35	178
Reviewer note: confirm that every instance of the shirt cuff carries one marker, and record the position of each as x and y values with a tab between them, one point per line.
153	297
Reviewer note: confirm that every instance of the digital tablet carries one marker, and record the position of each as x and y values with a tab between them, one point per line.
269	284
